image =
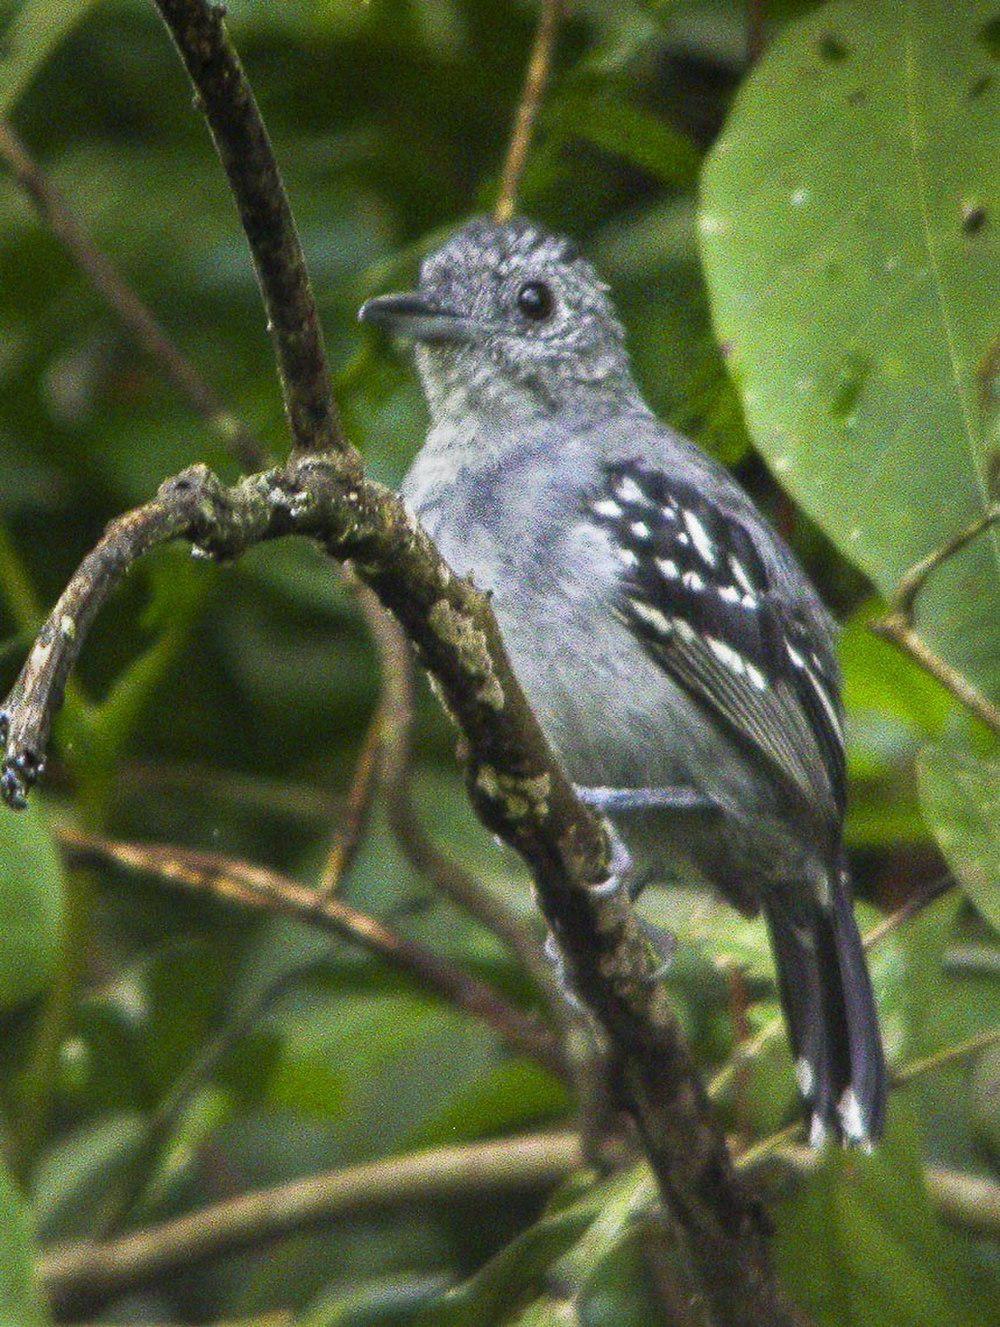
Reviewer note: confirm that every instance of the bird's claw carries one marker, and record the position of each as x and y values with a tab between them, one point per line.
663	943
620	867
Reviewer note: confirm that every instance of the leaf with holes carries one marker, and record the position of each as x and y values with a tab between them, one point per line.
850	218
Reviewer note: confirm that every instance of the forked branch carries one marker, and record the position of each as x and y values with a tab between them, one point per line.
899	624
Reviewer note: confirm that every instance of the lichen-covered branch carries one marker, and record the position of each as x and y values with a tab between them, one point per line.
447	875
899	624
515	784
259	888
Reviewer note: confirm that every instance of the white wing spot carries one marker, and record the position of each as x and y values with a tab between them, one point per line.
756	677
629	491
668	567
700	535
652	617
608	507
640	529
739	571
684	630
628	557
692	581
727	655
794	655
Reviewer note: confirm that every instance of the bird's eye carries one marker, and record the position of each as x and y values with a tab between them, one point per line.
535	301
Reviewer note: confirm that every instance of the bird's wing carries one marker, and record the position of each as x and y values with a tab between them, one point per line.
698	595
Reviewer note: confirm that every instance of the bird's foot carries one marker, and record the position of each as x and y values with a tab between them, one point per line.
554	954
620	868
663	943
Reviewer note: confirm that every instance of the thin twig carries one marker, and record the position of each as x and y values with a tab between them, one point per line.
357	810
124	302
228	103
899	624
160	1125
949	1055
88	1271
287	799
914	905
257	887
535	78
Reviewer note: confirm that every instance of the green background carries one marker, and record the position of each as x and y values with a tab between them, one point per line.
826	246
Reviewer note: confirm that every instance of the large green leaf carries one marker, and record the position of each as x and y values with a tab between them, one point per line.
859	1246
850	215
20	1305
961	796
31	36
30	905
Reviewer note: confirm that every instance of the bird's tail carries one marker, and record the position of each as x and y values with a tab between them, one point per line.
832	1020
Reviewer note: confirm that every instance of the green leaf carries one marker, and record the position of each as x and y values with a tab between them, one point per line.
20	1304
961	798
30	905
849	229
30	38
624	130
859	1246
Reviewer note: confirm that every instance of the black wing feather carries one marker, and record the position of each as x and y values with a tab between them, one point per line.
698	594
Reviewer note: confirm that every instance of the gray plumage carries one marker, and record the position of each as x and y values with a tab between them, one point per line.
663	633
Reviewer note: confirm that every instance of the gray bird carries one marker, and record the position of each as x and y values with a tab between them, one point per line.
679	661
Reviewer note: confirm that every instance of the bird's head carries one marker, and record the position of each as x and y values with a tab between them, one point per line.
507	316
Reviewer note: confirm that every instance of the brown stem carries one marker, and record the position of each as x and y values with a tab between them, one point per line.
535	78
756	30
124	302
899	624
256	887
228	103
87	1271
90	1272
358	805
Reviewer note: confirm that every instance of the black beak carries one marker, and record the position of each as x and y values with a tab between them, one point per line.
416	317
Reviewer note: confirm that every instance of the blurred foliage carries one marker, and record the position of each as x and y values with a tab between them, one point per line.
223	708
